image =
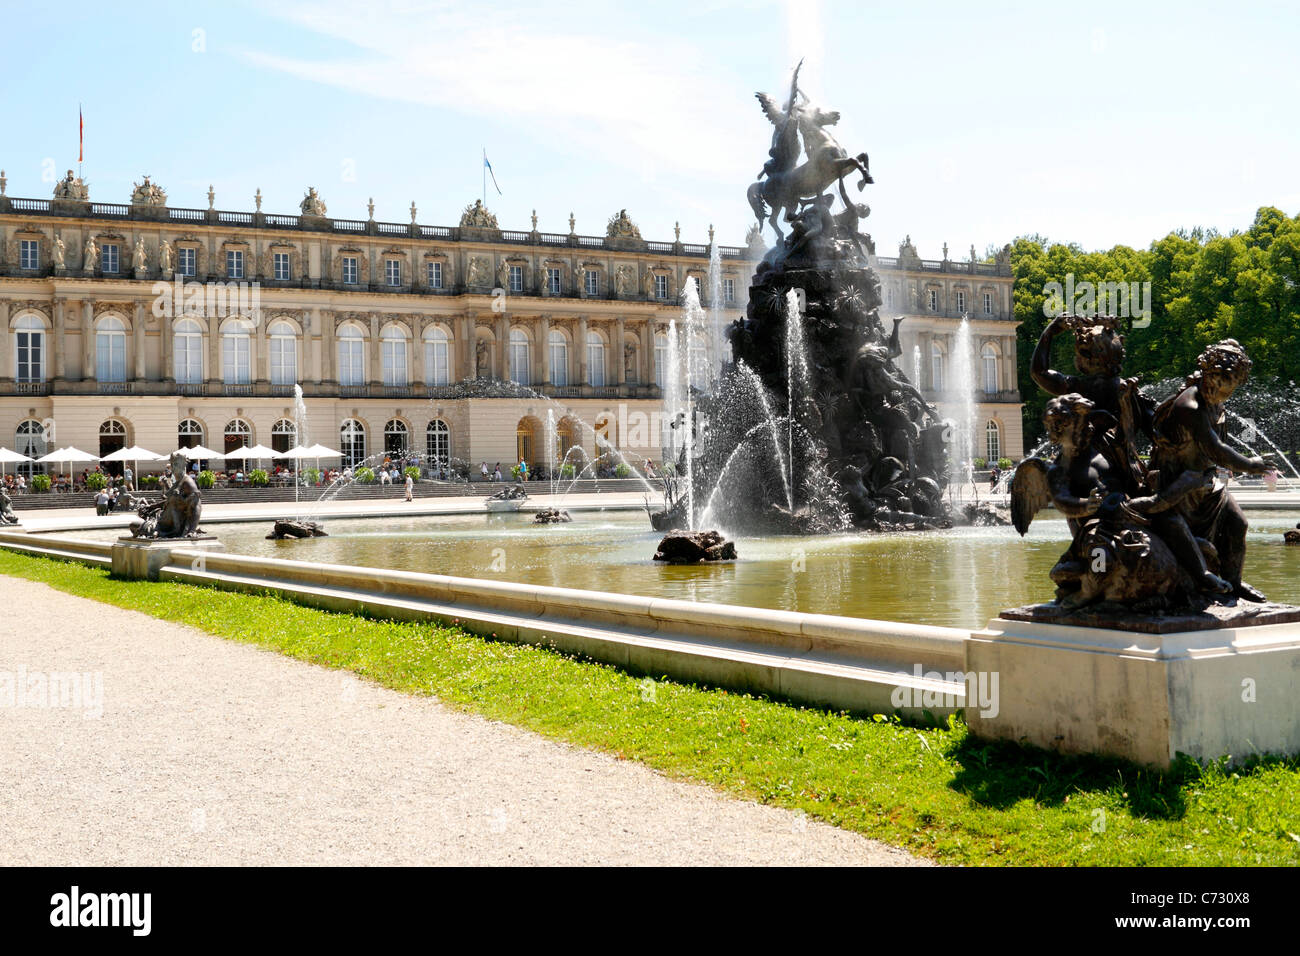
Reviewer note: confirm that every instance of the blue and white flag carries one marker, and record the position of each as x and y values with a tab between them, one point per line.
488	167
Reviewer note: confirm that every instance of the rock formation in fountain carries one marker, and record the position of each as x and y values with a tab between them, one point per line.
856	443
694	547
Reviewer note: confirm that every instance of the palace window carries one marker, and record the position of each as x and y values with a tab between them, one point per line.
352	442
699	360
988	303
553	281
238	435
729	290
661	359
352	356
961	301
187	352
189	434
592	279
934	300
393	271
234	264
186	259
236	343
993	441
284	435
112	437
516	278
110	350
30	339
29	254
437	442
109	258
284	354
989	358
559	348
433	271
595	359
281	266
936	368
396	437
350	270
519	358
661	287
29	440
392	355
437	356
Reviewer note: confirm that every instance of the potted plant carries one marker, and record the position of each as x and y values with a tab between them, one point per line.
40	483
364	475
206	479
258	478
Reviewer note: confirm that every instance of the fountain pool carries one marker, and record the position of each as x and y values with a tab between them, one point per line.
957	578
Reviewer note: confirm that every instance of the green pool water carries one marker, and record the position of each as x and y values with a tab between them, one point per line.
959	578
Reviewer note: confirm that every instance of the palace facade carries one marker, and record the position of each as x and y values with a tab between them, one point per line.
159	326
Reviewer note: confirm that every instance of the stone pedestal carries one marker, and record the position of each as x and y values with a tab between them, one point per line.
1206	685
141	558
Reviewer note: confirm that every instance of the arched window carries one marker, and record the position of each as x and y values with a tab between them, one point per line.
661	359
189	434
936	367
993	441
112	437
352	442
30	338
284	354
29	440
989	356
437	356
284	435
110	350
236	342
559	347
238	435
352	356
595	359
396	437
392	354
187	352
519	357
437	443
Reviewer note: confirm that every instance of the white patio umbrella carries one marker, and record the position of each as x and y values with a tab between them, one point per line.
66	456
8	457
135	454
253	453
199	452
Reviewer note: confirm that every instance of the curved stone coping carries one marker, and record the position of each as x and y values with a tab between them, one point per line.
793	632
96	553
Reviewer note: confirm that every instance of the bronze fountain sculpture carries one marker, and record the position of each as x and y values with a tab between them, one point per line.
177	514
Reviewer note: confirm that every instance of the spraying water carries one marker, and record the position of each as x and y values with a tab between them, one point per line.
796	377
964	382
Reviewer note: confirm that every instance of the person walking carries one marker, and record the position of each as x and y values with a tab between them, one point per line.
523	470
483	468
410	487
496	474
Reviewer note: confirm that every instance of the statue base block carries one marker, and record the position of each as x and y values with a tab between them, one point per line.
1241	614
1143	689
141	558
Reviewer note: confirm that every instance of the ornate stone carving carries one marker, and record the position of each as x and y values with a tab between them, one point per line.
60	253
312	204
648	283
363	264
71	187
477	216
140	256
148	194
89	254
622	227
624	279
479	271
165	258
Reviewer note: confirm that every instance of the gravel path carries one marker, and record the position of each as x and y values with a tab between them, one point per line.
212	752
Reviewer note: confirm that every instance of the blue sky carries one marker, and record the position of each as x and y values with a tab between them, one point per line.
1099	123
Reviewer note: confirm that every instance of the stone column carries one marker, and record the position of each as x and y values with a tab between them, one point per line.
544	347
57	345
214	350
503	347
325	322
167	371
648	362
420	374
376	374
137	340
581	347
620	375
259	353
87	340
7	357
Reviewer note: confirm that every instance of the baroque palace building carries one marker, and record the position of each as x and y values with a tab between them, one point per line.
158	326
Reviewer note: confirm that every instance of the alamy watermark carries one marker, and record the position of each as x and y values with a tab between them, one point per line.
47	690
981	691
210	299
1126	300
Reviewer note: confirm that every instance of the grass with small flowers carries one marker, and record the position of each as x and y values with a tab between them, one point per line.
934	791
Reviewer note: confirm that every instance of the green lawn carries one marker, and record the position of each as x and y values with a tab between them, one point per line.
936	792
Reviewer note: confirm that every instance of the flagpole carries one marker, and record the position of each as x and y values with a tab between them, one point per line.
484	171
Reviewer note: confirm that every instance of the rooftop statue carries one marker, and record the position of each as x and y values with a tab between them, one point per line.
312	204
622	227
148	194
477	216
71	187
